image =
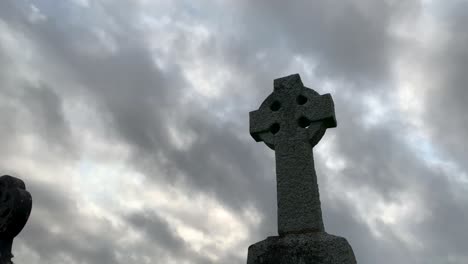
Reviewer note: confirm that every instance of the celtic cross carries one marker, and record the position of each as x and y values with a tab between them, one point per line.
291	121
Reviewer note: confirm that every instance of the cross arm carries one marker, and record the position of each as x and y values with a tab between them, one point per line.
320	108
260	122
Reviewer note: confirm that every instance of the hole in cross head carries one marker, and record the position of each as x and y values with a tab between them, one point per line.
303	122
301	99
275	106
275	128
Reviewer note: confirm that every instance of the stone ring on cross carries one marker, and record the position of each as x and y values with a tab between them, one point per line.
292	110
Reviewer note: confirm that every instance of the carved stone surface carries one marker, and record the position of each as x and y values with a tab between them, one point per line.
291	121
15	207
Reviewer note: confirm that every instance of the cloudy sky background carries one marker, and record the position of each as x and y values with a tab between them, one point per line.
128	121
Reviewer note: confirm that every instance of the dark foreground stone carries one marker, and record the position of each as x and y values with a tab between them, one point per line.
308	248
15	207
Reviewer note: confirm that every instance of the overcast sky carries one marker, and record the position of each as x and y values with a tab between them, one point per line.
128	122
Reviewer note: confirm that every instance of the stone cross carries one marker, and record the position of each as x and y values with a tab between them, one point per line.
291	121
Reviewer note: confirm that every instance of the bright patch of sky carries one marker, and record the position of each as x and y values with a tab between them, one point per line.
24	254
82	3
17	46
220	230
105	187
35	15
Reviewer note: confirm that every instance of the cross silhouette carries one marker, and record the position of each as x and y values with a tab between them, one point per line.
291	121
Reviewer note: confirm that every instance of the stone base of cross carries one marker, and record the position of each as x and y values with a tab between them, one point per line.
291	121
307	248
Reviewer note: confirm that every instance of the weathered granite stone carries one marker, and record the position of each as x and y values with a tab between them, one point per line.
307	248
291	121
15	207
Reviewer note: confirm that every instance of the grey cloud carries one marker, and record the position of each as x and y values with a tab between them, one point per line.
141	101
159	232
46	110
56	207
37	109
446	121
50	246
157	229
342	221
378	159
447	94
348	39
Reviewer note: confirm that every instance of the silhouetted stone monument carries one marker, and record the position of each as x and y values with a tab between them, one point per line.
291	121
15	207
